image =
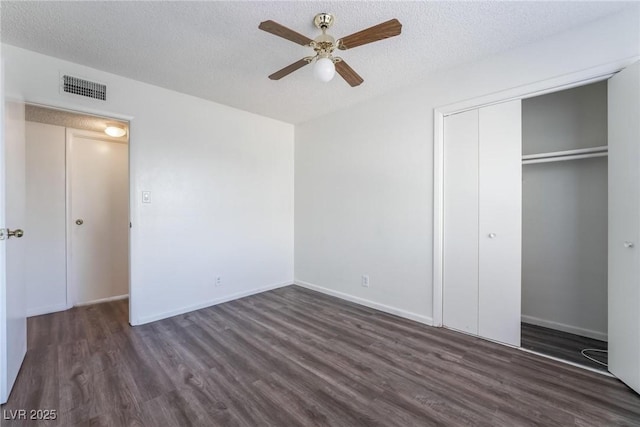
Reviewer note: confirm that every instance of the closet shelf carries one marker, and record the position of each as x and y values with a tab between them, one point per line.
559	156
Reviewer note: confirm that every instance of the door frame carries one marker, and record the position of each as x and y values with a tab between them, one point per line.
77	109
70	134
556	84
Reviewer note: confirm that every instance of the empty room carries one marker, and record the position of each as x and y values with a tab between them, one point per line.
309	213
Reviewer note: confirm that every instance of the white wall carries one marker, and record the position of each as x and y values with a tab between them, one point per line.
364	175
45	225
221	182
564	246
564	213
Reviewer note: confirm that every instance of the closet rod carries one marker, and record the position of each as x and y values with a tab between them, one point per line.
563	158
566	153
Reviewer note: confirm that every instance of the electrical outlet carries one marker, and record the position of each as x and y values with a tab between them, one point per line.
218	281
365	281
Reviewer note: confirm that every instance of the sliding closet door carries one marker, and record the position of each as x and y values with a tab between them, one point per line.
500	222
460	308
624	226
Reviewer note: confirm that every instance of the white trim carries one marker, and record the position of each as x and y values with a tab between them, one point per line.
556	84
101	300
132	198
368	303
68	138
568	362
46	310
438	217
208	303
590	333
522	92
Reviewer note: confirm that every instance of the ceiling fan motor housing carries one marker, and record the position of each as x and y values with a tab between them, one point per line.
323	20
324	44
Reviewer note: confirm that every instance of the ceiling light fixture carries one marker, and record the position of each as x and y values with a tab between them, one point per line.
115	130
324	69
325	64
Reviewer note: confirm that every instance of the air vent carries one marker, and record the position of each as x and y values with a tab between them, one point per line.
83	87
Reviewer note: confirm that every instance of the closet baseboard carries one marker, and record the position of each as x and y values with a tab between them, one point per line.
602	336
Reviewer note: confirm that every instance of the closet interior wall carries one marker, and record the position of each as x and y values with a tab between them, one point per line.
564	213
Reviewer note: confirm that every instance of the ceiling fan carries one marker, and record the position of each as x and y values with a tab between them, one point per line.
326	64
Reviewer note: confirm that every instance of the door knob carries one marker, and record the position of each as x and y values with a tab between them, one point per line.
628	244
79	222
492	235
15	233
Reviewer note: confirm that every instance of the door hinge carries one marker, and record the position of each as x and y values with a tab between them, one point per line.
3	233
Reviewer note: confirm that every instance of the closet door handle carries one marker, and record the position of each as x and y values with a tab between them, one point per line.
628	245
492	235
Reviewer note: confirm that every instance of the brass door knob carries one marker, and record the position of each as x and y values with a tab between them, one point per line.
79	222
15	233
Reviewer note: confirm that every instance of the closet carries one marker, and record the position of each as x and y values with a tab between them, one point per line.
564	233
526	215
541	217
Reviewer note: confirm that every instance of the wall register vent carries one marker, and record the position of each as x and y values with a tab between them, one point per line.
83	87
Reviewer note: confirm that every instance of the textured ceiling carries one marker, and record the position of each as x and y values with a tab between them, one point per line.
38	114
215	51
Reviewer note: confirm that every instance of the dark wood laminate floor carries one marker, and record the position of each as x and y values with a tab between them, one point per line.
563	345
293	357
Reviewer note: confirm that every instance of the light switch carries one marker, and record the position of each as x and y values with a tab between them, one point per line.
146	197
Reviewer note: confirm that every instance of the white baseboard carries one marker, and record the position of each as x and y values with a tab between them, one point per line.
101	300
209	303
602	336
368	303
46	310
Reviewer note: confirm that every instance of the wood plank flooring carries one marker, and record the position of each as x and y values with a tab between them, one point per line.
563	345
293	357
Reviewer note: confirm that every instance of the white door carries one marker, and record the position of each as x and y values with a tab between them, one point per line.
500	222
482	222
624	226
460	293
13	322
98	220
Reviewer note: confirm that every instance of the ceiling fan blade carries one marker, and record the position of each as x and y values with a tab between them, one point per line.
288	69
284	32
348	74
382	31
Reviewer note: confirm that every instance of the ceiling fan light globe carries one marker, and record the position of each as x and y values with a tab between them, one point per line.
324	69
